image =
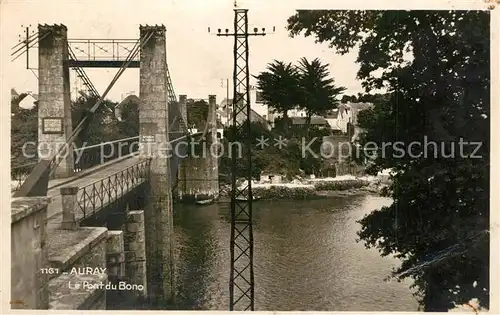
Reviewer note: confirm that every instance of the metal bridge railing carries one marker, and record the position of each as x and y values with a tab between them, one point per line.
102	49
93	155
107	190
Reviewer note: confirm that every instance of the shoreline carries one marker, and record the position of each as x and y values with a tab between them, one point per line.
315	189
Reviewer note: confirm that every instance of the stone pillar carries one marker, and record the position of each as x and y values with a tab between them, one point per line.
115	256
153	134
201	166
183	107
29	253
135	249
213	160
54	102
181	186
69	205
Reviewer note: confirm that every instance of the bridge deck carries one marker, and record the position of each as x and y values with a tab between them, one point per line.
81	180
63	243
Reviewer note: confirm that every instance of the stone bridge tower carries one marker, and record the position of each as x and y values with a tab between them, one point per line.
153	137
54	103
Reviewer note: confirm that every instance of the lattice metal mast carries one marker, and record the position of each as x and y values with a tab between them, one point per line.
241	282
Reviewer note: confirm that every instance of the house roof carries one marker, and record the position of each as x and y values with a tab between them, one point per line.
22	96
360	106
225	102
13	93
257	114
315	120
118	108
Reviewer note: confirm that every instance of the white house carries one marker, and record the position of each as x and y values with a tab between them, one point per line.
332	119
258	104
223	111
259	110
348	113
344	116
28	102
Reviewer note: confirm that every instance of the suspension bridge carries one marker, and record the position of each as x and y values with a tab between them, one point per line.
109	206
118	192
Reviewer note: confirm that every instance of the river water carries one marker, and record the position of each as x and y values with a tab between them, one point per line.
305	258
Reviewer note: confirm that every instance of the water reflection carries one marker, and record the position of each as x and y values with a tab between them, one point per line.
305	258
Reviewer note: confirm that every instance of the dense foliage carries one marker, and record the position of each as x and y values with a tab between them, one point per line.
438	224
279	86
197	113
317	92
104	126
306	86
24	129
286	159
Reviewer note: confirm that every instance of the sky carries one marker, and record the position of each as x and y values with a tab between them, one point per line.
198	60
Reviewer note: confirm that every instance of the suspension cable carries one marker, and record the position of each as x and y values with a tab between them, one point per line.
23	43
172	99
31	44
83	75
86	80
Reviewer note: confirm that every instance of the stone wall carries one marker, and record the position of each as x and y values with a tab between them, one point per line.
88	250
135	251
336	150
335	147
29	253
199	179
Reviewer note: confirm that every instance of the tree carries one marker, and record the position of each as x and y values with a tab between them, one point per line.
439	221
279	86
197	113
348	98
128	126
103	125
24	129
318	94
